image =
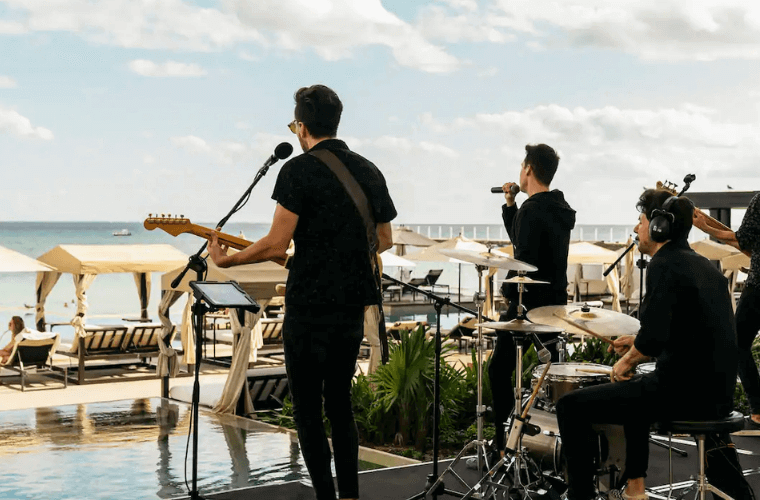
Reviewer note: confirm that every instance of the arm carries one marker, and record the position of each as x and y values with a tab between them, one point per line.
271	247
726	236
625	366
385	236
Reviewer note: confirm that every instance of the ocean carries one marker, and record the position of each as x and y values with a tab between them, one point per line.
112	297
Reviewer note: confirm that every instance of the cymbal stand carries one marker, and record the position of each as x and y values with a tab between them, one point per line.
434	485
478	444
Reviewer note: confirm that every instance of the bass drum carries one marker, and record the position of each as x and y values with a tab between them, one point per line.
545	448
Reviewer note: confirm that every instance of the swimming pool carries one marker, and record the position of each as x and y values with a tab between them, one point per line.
136	449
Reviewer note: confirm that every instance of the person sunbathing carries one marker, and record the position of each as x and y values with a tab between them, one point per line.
16	326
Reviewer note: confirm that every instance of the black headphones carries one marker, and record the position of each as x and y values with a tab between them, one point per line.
661	221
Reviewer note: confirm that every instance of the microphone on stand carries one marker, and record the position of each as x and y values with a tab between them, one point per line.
282	151
514	189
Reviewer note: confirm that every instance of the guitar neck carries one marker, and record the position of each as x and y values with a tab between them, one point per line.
177	226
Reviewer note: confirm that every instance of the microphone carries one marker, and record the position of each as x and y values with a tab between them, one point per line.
514	189
282	151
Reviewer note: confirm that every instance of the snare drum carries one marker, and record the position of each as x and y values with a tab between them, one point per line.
566	377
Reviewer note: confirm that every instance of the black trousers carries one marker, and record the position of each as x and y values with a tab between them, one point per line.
747	326
321	347
636	404
500	372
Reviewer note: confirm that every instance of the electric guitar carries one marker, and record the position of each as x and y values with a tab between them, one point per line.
180	225
712	222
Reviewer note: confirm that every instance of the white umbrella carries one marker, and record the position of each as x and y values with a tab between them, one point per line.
431	253
713	250
403	236
14	262
392	260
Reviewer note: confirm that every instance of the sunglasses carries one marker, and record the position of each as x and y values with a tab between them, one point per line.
293	126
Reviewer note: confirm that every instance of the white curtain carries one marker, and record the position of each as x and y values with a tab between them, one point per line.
626	282
46	280
577	282
237	379
81	283
143	282
488	307
168	363
372	334
613	285
186	334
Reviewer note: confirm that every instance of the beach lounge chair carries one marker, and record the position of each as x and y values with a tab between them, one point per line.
33	354
268	387
112	343
429	281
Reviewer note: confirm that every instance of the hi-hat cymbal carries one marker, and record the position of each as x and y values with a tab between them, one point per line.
489	259
603	322
519	325
524	280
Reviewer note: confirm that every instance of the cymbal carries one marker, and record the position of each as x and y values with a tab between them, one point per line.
519	325
603	322
524	280
489	259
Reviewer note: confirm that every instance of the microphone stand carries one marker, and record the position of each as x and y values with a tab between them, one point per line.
433	479
193	260
198	264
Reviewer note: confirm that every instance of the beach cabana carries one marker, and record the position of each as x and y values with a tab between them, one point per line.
85	262
259	282
583	252
404	236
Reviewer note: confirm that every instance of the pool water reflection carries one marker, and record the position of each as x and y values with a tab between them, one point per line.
136	450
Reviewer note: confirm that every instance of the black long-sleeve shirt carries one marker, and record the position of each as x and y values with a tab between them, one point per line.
687	323
540	234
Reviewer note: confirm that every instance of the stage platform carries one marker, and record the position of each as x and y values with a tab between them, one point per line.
407	481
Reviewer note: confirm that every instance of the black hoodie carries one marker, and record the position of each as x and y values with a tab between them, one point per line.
540	233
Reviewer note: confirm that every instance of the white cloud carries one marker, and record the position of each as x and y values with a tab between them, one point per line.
649	29
149	159
6	82
14	123
191	143
168	69
333	29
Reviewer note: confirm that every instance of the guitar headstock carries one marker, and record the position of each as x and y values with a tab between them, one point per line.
668	186
172	225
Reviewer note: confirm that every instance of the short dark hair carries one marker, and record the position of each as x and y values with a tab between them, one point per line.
319	108
682	209
544	161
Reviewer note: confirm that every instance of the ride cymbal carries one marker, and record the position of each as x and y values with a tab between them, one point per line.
603	322
519	325
489	259
524	280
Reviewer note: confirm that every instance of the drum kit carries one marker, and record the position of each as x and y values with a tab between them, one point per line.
531	465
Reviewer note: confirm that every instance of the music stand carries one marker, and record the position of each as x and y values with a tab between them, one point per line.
210	296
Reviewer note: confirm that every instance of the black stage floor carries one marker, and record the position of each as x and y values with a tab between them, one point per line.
406	482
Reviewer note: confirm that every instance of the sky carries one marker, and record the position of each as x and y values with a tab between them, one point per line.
111	110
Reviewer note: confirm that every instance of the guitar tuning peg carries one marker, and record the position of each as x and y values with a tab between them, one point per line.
181	216
163	216
150	216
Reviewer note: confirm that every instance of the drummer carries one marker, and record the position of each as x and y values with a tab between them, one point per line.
686	323
540	233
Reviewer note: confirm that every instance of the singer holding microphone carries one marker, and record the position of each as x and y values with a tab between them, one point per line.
330	283
540	233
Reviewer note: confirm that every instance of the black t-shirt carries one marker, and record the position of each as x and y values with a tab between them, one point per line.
331	263
687	323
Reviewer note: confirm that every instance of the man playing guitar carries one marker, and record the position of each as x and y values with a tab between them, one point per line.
330	283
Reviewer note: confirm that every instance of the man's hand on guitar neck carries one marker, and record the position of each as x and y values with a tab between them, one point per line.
217	251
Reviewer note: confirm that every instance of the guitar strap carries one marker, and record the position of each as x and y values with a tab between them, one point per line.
356	193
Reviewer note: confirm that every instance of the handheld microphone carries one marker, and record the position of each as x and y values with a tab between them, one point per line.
282	151
514	189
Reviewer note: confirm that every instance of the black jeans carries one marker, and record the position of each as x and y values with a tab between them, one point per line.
747	326
321	347
635	404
